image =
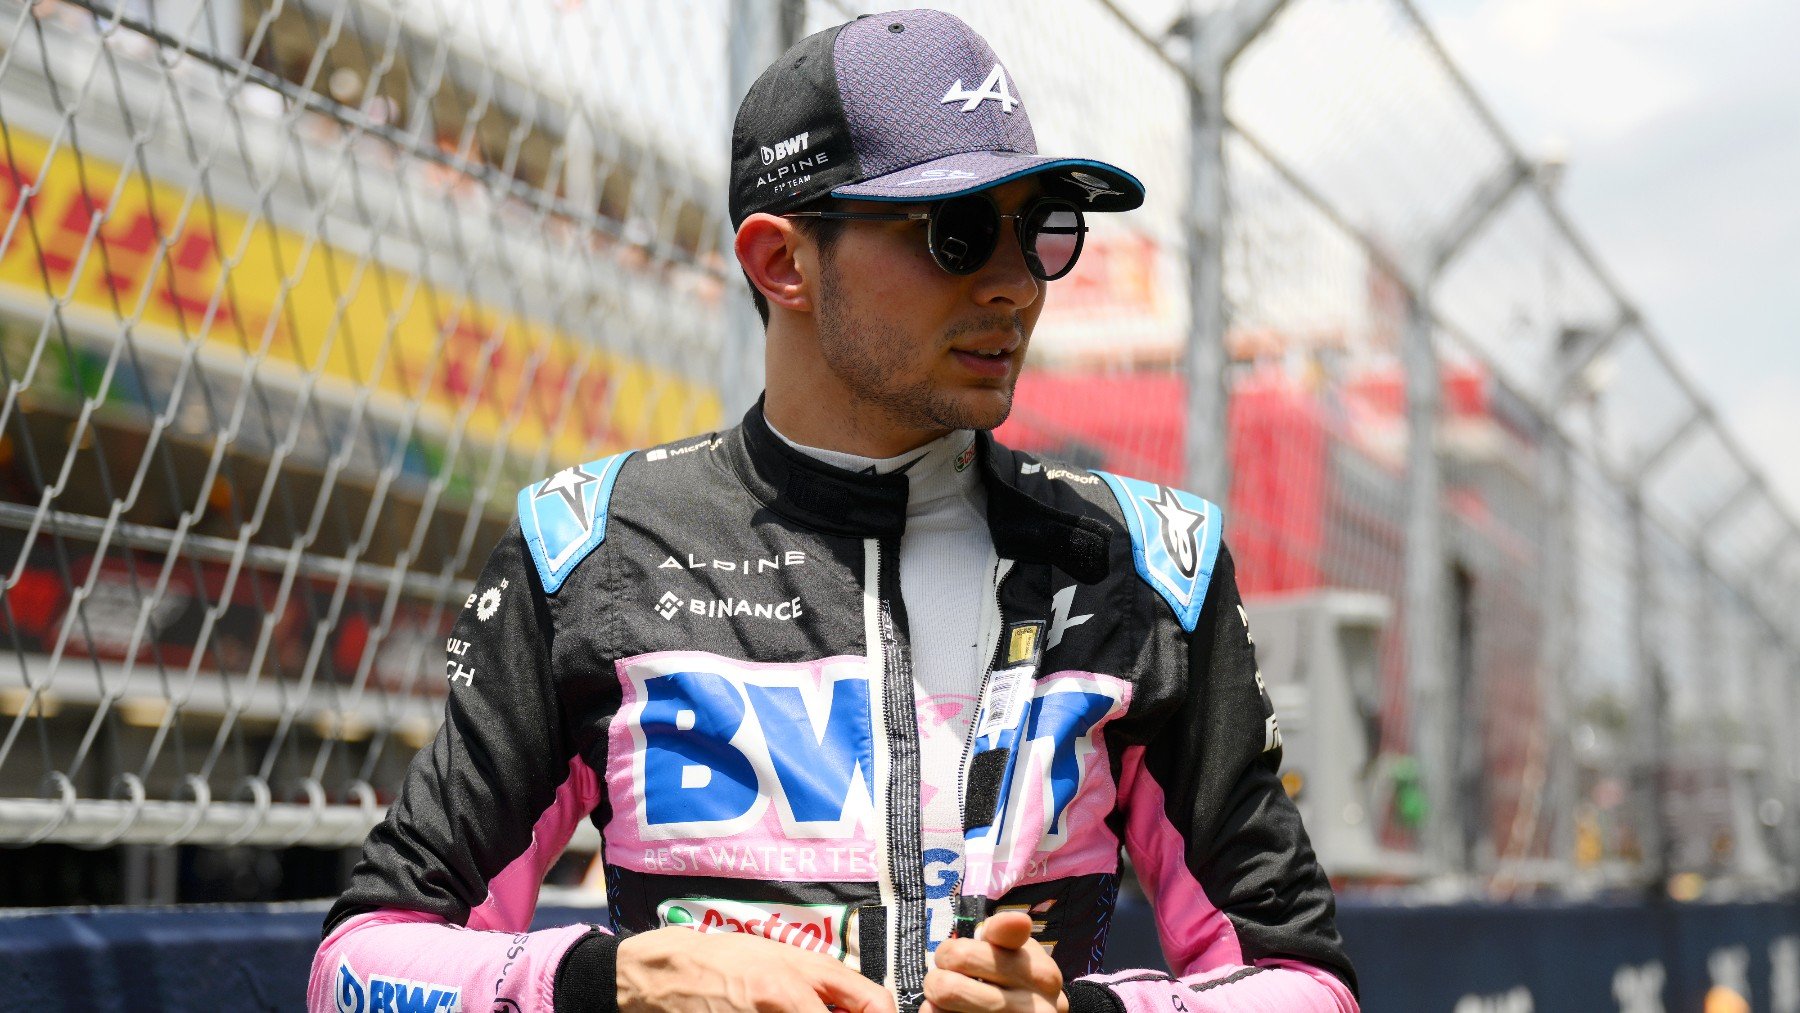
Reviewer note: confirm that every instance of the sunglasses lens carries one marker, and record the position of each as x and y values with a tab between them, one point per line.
1054	233
963	234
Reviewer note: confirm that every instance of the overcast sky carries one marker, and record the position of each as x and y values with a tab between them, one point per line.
1681	122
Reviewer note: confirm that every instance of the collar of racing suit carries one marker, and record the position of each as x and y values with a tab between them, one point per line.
839	502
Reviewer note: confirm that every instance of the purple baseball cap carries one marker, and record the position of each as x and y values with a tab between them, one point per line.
904	106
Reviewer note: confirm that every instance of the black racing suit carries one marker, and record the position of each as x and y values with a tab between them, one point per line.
703	649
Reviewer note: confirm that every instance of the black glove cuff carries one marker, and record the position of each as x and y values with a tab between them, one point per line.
587	978
1089	997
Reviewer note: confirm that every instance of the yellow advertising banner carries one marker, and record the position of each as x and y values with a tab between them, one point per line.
175	264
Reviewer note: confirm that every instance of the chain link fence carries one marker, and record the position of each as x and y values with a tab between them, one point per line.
294	295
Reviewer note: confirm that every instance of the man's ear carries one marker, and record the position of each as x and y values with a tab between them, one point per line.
766	250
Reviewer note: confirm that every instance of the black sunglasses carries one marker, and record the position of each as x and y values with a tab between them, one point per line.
963	232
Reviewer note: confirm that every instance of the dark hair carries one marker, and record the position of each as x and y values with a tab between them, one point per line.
823	231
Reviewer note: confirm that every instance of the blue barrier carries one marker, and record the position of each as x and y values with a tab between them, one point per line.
1586	958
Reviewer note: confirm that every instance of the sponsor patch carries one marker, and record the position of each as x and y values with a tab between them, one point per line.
784	150
456	671
786	177
1094	186
664	453
717	744
1048	734
488	602
760	564
1174	541
670	605
381	994
816	928
1062	474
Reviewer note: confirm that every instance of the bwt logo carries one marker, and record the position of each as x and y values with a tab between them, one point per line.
717	741
393	995
1051	741
818	928
784	150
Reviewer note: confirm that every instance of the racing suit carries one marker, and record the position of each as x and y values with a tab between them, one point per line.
703	649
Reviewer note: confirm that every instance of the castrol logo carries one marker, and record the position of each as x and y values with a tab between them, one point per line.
818	928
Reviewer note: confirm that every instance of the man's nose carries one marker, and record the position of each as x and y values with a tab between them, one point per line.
1005	279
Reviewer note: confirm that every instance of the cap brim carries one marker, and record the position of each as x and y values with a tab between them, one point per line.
1095	186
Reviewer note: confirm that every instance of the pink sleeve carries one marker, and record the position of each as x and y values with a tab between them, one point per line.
407	960
396	960
1198	940
1278	986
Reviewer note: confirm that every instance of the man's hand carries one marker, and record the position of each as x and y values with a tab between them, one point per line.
680	970
1002	968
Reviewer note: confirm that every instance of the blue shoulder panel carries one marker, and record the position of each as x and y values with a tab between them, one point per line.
564	516
1174	539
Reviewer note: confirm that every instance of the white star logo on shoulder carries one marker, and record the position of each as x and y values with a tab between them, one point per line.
1179	525
992	87
570	483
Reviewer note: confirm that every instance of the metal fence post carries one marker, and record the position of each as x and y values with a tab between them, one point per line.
1215	41
1437	713
1559	575
1652	739
1205	468
1426	670
758	33
1785	719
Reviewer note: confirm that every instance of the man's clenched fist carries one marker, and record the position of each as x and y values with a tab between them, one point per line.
679	970
1001	969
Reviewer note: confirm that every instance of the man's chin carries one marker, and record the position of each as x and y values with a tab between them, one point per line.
981	408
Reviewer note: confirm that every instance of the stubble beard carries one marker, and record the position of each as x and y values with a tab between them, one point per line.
870	356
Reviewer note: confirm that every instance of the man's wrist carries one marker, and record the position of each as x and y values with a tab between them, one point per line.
587	977
1091	997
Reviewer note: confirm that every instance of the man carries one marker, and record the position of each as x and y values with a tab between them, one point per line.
863	703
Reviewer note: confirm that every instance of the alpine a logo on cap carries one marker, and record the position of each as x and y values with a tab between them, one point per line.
992	87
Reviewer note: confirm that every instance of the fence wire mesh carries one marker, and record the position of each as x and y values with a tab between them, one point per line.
294	295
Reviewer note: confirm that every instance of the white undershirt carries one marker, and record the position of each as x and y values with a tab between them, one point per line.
946	574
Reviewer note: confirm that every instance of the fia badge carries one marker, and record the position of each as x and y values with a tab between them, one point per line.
1009	688
1022	642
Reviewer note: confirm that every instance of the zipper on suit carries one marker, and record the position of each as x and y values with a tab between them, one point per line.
904	873
876	644
993	625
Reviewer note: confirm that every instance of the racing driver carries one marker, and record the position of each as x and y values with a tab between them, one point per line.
864	704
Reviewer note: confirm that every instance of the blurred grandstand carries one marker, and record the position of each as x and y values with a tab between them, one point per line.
294	295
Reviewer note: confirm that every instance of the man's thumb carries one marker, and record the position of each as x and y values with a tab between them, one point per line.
837	985
1008	929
